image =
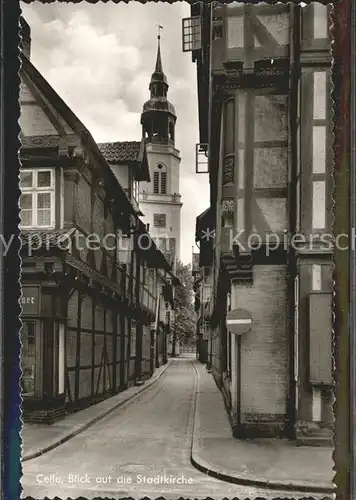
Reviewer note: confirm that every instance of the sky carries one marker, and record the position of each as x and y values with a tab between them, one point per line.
99	58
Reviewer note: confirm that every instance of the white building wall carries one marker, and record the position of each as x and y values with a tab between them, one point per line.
170	203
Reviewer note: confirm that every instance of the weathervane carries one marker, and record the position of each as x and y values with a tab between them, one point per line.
159	31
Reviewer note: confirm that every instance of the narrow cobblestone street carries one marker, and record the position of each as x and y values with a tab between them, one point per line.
157	427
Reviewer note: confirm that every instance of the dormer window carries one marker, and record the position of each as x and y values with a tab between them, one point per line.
160	180
37	198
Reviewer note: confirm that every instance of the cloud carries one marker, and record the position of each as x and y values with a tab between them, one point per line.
99	58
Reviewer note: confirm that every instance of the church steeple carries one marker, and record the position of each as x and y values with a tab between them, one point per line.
158	85
158	68
158	117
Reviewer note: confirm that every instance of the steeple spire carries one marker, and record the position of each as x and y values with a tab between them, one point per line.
158	84
158	68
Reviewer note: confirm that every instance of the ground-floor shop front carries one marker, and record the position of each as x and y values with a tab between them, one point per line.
81	343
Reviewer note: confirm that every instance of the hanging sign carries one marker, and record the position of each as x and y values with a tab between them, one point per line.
30	300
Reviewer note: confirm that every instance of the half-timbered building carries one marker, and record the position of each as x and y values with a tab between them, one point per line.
95	288
265	115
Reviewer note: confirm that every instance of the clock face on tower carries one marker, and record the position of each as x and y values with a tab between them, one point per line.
159	220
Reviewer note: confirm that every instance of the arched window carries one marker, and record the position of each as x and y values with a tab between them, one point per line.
160	179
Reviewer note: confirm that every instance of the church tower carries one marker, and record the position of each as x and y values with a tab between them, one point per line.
159	199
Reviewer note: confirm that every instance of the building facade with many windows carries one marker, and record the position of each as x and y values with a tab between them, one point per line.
265	117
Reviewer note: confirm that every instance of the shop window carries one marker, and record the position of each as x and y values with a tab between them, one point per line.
28	357
37	198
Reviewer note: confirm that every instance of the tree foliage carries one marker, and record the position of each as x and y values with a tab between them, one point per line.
184	325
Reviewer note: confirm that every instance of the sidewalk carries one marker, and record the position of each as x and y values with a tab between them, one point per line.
269	463
38	439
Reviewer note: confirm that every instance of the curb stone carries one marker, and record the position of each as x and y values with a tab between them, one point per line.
82	427
244	479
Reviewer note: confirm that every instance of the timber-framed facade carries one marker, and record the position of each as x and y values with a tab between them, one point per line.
264	86
95	288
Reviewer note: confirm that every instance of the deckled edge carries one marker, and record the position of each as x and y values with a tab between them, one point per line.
341	295
341	3
10	107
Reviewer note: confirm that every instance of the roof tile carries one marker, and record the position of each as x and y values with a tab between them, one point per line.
113	152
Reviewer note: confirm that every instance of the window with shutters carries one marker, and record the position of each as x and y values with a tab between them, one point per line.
163	182
37	198
156	182
160	180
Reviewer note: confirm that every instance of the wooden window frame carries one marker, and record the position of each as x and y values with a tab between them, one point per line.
191	34
34	191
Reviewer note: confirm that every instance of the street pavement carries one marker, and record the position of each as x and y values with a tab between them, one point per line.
141	449
274	462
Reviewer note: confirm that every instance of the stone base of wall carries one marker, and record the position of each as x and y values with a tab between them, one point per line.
44	416
43	411
260	426
314	434
250	426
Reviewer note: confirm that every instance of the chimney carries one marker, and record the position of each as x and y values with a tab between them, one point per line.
25	33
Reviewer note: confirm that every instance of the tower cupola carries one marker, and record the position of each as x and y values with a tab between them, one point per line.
158	117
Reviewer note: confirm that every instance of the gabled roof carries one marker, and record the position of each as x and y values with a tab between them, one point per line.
131	152
111	184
